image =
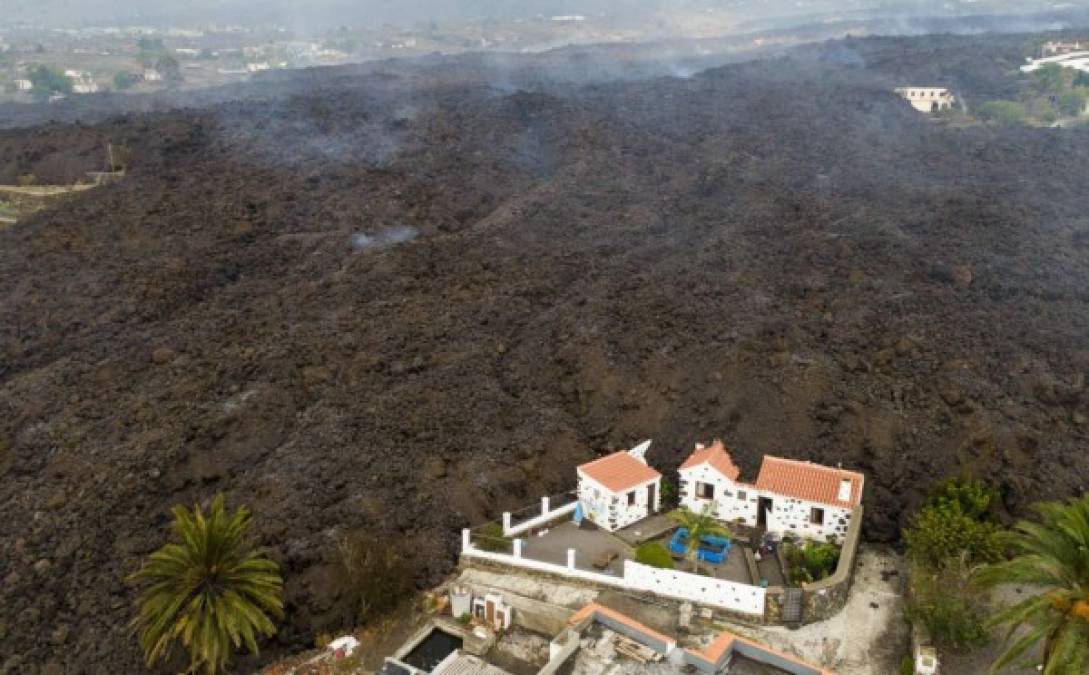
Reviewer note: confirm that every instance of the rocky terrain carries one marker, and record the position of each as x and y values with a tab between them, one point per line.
402	300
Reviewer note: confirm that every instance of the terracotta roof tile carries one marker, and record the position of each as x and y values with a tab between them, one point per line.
619	471
717	456
809	481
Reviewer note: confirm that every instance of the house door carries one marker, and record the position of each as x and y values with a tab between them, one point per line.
762	508
489	611
650	498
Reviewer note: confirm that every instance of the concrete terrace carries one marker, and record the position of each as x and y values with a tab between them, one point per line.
551	546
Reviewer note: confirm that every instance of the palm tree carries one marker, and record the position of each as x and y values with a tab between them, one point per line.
698	525
210	590
1053	557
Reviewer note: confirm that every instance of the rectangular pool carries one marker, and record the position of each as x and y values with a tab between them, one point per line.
430	651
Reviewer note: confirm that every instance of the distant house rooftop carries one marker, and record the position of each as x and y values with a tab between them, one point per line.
716	456
813	482
619	471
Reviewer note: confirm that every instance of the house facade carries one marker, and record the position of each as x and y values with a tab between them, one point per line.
619	489
809	500
927	99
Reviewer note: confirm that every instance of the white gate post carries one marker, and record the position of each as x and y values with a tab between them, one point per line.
570	558
465	543
518	548
544	506
506	523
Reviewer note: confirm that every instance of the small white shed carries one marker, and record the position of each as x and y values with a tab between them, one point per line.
619	489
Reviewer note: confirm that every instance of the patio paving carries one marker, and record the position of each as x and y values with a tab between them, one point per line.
770	570
734	568
647	529
588	544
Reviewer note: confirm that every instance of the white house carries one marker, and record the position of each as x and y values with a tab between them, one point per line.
927	99
1076	60
807	499
23	85
619	489
152	75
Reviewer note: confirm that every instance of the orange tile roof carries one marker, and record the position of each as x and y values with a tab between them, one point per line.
593	609
619	471
809	481
717	456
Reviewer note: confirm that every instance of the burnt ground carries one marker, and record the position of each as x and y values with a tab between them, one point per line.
779	253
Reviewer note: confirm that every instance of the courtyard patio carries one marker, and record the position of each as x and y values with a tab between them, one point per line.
590	545
593	545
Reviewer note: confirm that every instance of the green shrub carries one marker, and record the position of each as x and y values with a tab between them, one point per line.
948	605
1051	79
975	498
669	493
490	538
48	81
654	554
810	562
1002	112
907	666
1073	102
955	522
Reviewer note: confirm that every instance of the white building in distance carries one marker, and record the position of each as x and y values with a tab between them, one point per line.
927	99
1075	60
803	498
23	85
619	489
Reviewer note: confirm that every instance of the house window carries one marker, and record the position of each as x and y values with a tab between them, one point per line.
741	495
631	498
816	516
705	491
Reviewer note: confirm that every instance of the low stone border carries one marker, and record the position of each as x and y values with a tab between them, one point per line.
825	598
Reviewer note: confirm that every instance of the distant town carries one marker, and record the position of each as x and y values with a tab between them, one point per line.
38	63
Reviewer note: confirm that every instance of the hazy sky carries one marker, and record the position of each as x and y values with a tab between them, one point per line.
324	13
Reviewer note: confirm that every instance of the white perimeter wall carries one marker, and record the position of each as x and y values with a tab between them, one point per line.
728	595
695	587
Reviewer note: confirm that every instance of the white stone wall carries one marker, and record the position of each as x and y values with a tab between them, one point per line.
547	516
787	514
728	506
924	99
695	587
610	510
676	584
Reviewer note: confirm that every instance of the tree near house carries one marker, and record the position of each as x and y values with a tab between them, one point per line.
1052	557
698	525
210	590
46	81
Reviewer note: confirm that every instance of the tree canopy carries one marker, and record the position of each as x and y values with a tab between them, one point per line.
210	590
